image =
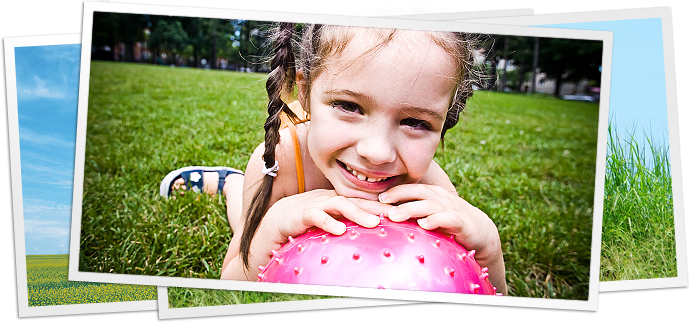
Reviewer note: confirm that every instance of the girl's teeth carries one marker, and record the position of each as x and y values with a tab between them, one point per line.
362	177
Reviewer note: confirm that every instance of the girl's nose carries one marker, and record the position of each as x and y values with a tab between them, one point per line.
376	145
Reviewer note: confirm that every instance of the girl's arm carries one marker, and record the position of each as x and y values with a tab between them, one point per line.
232	264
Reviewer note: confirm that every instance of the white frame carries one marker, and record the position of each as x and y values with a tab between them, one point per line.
590	304
17	201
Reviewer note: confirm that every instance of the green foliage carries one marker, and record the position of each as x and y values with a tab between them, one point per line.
169	36
243	43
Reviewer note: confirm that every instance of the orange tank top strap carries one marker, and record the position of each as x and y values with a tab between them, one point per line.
298	157
286	122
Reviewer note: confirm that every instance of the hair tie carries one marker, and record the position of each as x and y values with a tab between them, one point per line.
270	171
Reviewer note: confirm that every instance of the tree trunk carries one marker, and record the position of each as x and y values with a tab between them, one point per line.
521	79
535	61
491	86
130	51
214	57
558	85
504	75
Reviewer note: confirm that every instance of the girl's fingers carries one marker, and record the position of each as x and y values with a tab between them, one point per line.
372	207
314	217
348	209
414	209
452	223
321	216
412	192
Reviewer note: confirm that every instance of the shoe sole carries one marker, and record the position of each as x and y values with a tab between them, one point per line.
168	179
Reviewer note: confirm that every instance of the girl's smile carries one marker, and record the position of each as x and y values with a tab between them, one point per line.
368	180
376	122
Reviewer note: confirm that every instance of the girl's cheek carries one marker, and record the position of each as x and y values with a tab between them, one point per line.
418	157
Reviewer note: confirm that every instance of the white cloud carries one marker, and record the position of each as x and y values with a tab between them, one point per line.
41	90
42	208
43	139
46	229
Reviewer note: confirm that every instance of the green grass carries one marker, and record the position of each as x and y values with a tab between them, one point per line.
143	122
638	235
194	297
527	161
47	285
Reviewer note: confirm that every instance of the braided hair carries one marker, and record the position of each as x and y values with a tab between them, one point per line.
280	80
317	45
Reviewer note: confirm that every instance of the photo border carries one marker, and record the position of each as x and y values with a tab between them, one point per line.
33	12
673	125
590	304
271	5
17	200
165	312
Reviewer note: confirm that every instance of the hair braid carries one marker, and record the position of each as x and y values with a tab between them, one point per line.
280	81
318	44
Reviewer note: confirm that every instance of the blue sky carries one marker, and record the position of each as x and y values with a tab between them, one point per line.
47	94
638	81
676	40
36	26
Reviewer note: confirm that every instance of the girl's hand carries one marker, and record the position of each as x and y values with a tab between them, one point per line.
293	215
436	207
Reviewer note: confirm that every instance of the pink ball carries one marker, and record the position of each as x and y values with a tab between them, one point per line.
391	256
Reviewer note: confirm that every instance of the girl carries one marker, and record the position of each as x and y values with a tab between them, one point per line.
377	103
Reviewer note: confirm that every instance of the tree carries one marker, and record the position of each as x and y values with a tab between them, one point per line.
196	36
168	36
254	43
570	60
104	25
111	29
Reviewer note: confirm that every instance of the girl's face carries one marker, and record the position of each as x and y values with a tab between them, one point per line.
376	123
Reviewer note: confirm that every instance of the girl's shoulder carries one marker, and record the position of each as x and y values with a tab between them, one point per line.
438	177
285	183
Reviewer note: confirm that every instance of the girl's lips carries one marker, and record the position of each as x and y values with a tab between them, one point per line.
364	182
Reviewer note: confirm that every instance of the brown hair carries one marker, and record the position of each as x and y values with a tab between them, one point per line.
318	45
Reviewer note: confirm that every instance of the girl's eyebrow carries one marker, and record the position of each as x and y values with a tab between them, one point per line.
351	93
431	113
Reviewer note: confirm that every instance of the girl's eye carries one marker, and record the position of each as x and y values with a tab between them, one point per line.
415	123
347	106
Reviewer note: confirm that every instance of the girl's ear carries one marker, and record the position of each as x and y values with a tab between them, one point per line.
302	89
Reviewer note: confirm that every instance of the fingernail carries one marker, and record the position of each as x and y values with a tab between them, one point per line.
382	197
341	228
421	222
392	212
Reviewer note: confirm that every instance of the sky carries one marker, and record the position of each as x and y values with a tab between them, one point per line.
35	26
47	95
676	41
638	79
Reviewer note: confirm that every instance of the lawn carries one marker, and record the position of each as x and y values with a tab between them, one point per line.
47	284
527	161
